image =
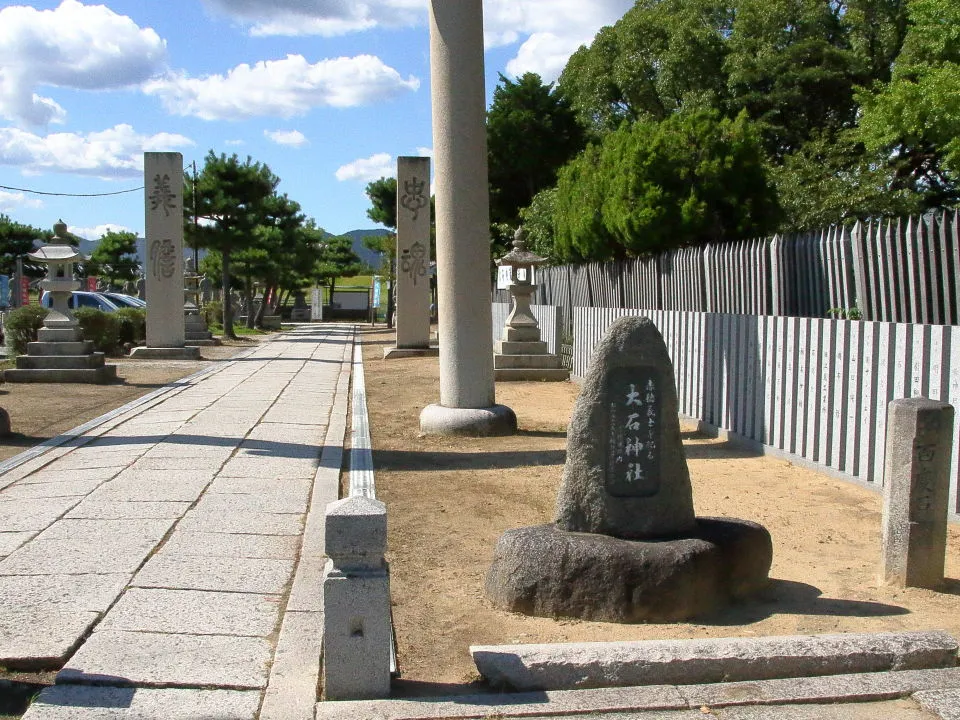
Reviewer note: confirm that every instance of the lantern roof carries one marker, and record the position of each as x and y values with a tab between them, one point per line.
58	250
520	256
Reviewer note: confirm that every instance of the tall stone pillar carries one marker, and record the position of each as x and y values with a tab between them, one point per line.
163	199
413	259
467	401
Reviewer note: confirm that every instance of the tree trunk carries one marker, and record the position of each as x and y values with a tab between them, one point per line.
262	310
227	309
251	314
391	284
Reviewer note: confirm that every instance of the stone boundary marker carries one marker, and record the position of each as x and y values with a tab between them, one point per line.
568	666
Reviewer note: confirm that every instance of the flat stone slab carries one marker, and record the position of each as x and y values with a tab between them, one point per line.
194	612
70	702
688	662
245	522
232	545
188	352
230	574
123	509
17	515
836	697
116	657
295	672
547	571
10	541
945	703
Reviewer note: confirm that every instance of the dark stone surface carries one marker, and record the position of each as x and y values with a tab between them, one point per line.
549	572
4	423
626	474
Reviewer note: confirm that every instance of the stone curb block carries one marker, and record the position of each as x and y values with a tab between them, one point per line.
687	662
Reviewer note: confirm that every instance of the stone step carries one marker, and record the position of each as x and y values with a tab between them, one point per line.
507	347
79	347
95	376
551	362
68	334
775	696
59	362
531	374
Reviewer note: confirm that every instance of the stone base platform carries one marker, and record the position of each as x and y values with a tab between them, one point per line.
549	572
497	420
531	374
188	352
94	376
390	353
204	342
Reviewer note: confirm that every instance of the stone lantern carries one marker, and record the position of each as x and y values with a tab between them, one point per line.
520	354
59	256
522	326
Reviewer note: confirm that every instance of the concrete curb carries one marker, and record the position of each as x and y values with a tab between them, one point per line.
568	666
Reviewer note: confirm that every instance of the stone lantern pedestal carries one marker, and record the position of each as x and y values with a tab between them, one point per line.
60	355
195	327
520	354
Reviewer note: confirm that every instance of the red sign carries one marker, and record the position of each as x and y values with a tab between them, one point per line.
92	283
24	290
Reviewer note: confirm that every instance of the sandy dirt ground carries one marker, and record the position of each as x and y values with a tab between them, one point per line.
39	411
449	500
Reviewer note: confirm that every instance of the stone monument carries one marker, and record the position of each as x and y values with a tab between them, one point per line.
413	260
300	311
626	545
467	396
916	492
520	354
60	355
164	282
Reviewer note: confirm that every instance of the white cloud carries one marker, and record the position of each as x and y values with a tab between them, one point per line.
425	152
293	138
95	233
234	143
550	30
72	46
321	17
113	153
368	169
284	88
18	200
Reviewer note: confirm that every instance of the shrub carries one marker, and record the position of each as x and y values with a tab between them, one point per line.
100	327
131	326
213	312
22	325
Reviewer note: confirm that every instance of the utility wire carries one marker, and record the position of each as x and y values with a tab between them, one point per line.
40	192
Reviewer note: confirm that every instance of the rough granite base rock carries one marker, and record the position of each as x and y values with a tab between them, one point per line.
187	352
472	422
549	572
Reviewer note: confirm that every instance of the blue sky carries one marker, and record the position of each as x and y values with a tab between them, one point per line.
326	92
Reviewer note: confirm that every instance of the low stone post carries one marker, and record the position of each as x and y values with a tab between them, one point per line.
916	490
356	602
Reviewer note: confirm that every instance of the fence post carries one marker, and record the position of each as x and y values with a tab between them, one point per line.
356	601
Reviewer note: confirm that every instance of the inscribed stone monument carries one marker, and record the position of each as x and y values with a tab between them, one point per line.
163	179
413	252
626	545
916	492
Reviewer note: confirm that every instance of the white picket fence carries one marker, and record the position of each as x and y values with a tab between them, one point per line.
811	388
547	315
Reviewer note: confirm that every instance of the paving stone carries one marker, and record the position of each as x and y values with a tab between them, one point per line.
244	485
891	710
10	541
200	464
250	575
23	514
120	658
66	488
194	612
78	460
274	501
55	473
295	672
250	523
270	466
43	616
119	509
945	703
232	545
830	688
147	486
73	702
551	702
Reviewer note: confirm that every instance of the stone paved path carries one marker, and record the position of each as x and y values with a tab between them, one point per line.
176	545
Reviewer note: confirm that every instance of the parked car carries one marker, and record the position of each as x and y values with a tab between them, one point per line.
83	298
121	300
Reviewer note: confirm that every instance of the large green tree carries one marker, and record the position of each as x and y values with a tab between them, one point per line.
531	133
914	119
692	178
115	258
232	201
16	240
335	260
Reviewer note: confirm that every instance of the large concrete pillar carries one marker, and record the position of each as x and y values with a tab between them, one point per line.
467	400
